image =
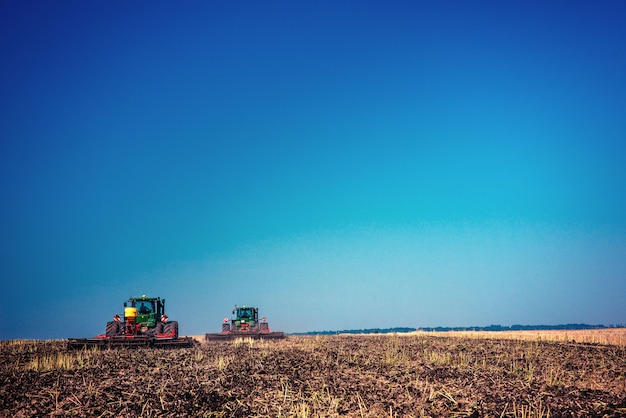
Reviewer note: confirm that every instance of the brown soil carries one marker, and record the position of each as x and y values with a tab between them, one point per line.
362	376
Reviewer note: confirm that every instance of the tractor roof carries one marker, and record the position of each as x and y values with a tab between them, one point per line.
143	297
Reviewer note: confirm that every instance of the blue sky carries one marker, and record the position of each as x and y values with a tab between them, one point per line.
338	164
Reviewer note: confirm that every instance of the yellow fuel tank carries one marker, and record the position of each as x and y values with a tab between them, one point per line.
130	312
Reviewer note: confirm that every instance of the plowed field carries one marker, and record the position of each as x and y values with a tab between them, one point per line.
360	376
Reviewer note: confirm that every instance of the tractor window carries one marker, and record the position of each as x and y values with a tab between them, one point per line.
245	313
145	307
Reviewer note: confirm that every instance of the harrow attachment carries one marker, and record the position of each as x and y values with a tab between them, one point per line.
130	342
235	335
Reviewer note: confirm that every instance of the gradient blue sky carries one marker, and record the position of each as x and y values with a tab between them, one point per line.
350	164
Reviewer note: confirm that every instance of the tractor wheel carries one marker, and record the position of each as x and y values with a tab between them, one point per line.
158	329
170	326
113	328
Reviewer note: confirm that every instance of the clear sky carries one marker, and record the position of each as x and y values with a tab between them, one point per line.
340	164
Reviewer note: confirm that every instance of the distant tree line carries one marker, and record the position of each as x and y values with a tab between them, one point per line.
446	329
359	331
521	327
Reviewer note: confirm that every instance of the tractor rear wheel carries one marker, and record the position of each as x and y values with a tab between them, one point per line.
170	326
112	329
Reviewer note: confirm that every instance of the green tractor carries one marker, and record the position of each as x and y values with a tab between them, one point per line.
143	316
245	323
144	324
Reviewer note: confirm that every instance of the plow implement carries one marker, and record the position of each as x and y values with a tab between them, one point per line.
233	335
134	342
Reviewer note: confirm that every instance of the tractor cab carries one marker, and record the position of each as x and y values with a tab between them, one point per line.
245	317
147	310
145	307
246	313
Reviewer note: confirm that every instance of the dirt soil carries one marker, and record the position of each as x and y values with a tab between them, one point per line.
360	376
